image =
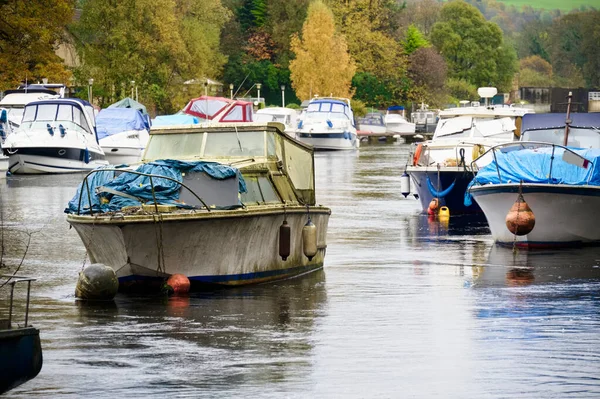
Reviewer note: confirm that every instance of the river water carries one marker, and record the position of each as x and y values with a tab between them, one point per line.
405	307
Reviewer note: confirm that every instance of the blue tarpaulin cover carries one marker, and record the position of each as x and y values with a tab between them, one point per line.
173	120
111	121
166	191
533	166
557	120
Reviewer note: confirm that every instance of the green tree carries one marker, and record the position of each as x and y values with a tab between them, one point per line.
157	43
322	64
30	30
414	40
473	47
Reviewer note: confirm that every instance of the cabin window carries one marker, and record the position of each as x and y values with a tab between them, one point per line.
65	113
313	107
267	190
46	112
232	144
337	108
173	145
580	138
271	144
29	114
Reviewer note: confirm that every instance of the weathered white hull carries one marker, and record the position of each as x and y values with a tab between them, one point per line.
328	141
564	215
32	164
372	129
124	148
232	247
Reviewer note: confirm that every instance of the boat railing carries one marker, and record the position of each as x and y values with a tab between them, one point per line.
522	145
12	280
149	175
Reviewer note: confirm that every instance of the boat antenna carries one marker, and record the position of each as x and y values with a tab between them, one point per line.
568	121
241	84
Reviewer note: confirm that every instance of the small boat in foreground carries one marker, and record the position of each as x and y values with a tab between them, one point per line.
328	124
55	136
235	205
560	184
20	345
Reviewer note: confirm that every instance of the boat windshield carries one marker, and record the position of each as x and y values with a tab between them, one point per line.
15	114
467	126
264	117
220	144
40	115
578	137
324	110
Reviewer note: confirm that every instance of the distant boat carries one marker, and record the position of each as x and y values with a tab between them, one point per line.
328	124
122	134
20	346
55	136
396	123
424	119
287	116
372	123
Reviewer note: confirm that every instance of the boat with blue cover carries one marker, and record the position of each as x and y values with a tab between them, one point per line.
123	134
328	124
224	204
560	183
440	168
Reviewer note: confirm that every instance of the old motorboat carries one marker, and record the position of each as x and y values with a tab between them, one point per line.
328	124
20	345
439	168
287	116
226	204
55	136
425	119
560	183
122	134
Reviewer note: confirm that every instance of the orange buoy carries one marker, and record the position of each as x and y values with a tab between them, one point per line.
417	155
178	284
433	207
520	220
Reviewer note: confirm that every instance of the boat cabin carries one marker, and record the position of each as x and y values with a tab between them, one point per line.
69	113
219	109
329	109
275	167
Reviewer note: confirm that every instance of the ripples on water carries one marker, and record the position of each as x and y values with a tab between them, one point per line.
405	307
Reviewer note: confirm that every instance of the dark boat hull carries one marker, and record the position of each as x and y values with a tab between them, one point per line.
454	200
20	356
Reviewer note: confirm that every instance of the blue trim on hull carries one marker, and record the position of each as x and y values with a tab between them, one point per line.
344	135
237	279
454	200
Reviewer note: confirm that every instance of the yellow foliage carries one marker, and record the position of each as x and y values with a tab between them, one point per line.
322	65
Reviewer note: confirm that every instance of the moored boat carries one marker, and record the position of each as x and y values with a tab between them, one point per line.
122	134
20	345
55	136
396	123
560	184
440	168
235	205
287	116
328	124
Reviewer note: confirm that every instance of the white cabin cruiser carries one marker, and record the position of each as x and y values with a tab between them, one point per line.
123	134
55	136
287	116
12	105
328	124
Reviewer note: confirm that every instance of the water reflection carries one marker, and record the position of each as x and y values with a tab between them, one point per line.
522	267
